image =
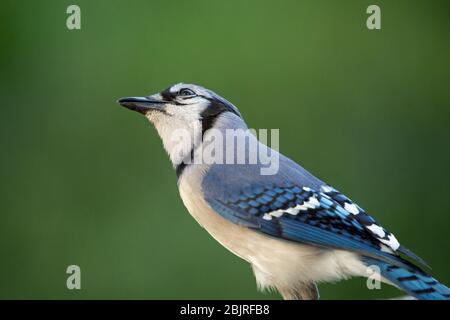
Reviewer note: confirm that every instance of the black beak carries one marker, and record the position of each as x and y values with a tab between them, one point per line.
142	104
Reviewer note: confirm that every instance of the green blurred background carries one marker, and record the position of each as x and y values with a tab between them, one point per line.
86	182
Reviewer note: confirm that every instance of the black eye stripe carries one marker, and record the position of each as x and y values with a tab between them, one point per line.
224	106
168	95
186	92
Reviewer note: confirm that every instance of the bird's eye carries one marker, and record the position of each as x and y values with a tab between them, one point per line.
186	92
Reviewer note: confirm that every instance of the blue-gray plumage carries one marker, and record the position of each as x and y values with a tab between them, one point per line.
294	229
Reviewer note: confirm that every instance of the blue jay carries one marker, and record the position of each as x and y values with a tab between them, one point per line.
293	229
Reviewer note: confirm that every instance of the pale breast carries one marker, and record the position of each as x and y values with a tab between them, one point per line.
233	237
275	261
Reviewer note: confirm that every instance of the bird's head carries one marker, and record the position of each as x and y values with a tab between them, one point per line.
187	107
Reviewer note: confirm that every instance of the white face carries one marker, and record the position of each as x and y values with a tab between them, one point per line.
183	108
181	115
184	103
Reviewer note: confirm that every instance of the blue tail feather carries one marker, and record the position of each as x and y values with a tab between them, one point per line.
412	280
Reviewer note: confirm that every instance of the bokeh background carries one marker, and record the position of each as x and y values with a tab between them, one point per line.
86	182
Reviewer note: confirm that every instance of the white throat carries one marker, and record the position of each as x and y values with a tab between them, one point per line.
181	136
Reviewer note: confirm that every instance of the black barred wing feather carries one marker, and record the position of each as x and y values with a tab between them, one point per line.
322	217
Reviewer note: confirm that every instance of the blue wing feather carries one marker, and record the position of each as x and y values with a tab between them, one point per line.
269	209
